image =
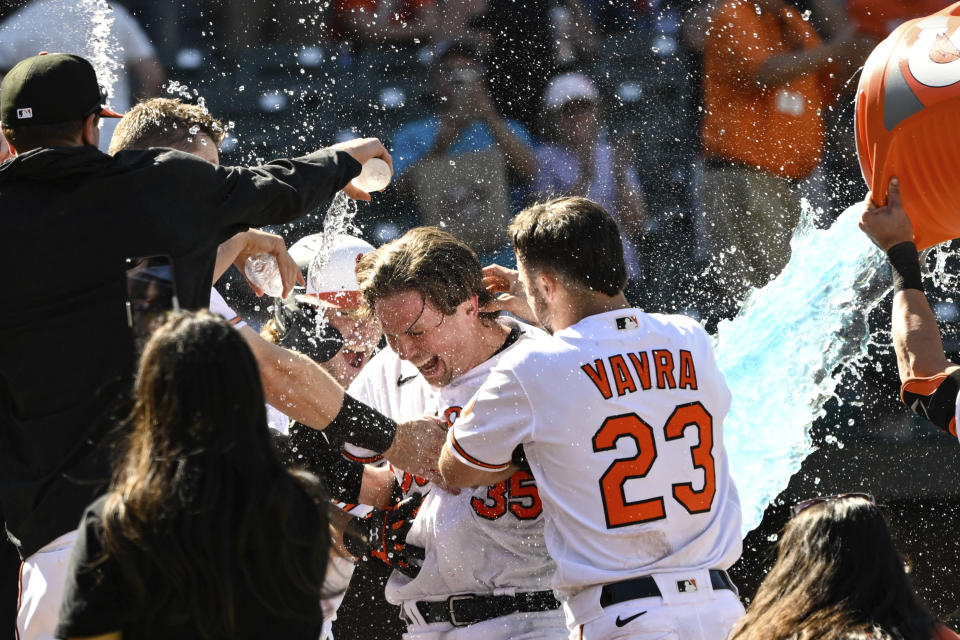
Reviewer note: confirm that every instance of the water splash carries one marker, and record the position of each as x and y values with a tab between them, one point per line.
339	220
783	353
102	43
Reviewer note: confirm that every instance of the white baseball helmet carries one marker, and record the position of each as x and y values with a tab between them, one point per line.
335	285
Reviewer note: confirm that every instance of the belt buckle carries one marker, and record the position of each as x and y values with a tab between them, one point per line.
451	601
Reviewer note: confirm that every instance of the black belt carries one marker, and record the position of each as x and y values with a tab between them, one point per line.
646	587
470	609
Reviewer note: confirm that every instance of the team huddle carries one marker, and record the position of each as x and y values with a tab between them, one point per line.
527	455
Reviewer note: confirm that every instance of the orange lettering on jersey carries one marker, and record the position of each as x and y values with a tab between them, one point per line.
598	375
495	504
408	479
688	375
642	367
452	413
663	360
621	375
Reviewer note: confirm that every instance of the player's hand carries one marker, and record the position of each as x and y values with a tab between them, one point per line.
416	446
382	534
363	149
888	225
511	296
254	242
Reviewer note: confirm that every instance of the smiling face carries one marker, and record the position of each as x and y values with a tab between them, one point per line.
441	347
360	338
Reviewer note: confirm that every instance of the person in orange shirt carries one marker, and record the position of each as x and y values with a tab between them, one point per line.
767	82
877	18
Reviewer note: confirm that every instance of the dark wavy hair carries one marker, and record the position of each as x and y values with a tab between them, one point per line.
575	238
428	260
200	503
838	575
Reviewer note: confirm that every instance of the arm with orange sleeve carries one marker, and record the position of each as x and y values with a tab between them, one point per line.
930	382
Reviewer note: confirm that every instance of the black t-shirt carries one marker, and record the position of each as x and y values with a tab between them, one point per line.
69	216
95	600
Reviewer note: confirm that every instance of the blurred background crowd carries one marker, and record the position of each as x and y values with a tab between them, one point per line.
671	113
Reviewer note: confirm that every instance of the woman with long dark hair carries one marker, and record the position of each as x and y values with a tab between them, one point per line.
203	533
838	576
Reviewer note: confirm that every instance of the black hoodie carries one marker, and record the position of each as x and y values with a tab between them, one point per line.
68	218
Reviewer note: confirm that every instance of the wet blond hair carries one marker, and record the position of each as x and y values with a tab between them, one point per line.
165	122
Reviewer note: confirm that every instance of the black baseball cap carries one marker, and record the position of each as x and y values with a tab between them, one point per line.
51	88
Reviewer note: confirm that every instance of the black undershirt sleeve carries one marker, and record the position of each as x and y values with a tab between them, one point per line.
934	399
93	597
310	449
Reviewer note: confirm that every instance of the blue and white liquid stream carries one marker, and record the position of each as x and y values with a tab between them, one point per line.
783	353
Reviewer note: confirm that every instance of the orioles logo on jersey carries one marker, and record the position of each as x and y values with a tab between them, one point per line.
933	62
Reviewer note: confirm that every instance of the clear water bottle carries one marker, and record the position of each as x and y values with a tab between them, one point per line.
263	271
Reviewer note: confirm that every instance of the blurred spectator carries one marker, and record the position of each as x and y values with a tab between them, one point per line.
530	41
69	26
619	16
242	26
384	21
200	501
838	576
521	56
457	163
582	162
576	37
458	22
767	82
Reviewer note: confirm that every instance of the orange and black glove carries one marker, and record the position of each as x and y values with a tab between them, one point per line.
382	534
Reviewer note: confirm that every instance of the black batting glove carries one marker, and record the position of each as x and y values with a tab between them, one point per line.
382	534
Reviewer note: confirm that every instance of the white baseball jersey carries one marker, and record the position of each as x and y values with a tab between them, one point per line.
481	541
621	418
395	388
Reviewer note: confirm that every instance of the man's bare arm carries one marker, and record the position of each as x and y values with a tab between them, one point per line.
916	335
304	391
457	475
376	489
252	242
295	384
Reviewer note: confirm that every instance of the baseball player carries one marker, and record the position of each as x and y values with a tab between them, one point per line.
907	102
485	571
288	377
348	341
620	415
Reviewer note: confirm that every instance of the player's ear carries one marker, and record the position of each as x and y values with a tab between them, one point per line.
90	134
471	305
548	283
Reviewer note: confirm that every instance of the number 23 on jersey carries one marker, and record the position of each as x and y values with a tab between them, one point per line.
619	512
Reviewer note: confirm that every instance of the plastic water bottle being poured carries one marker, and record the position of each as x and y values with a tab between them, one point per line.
264	272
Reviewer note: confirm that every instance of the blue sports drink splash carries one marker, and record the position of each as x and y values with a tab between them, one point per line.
783	353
